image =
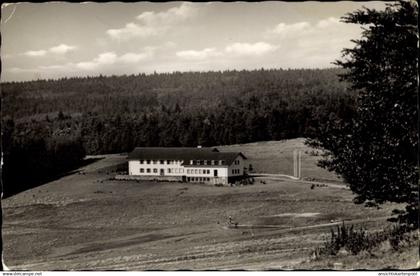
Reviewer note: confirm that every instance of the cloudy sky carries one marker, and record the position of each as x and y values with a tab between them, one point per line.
52	40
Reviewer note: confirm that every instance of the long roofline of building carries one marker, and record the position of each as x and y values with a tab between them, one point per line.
186	154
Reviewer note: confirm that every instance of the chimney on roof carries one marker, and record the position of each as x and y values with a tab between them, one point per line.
199	147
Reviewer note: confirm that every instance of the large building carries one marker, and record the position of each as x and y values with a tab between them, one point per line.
205	165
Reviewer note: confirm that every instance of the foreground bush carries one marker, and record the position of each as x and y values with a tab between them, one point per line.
350	240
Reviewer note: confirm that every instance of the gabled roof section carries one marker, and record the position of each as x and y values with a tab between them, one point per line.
184	154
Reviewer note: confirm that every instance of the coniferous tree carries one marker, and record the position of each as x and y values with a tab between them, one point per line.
376	150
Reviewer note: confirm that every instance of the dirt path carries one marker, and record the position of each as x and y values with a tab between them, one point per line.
272	176
316	226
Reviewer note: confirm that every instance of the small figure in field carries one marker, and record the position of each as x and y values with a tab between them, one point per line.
231	222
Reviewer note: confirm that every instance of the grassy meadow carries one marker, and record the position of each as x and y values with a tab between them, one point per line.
87	221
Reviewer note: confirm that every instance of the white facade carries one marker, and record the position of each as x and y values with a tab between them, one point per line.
211	171
237	167
155	167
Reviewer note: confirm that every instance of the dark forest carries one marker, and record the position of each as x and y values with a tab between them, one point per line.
49	125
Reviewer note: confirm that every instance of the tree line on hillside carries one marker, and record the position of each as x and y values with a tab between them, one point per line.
33	154
99	115
190	91
248	121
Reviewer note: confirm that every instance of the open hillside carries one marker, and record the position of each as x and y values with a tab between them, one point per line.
276	157
87	221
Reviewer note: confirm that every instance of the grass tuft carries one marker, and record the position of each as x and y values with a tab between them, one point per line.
347	239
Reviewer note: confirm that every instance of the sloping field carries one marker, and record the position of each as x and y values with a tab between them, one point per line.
86	221
276	157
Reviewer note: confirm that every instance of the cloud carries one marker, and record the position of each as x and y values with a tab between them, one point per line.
331	21
152	23
51	67
256	49
313	44
18	70
171	16
300	29
61	49
102	59
134	58
283	29
103	62
133	30
87	65
106	58
38	53
110	58
198	55
231	51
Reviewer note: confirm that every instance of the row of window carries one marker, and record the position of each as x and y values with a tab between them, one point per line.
198	179
207	162
175	170
169	162
148	170
198	171
192	162
179	170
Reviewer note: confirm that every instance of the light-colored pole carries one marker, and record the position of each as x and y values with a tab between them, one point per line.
300	164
